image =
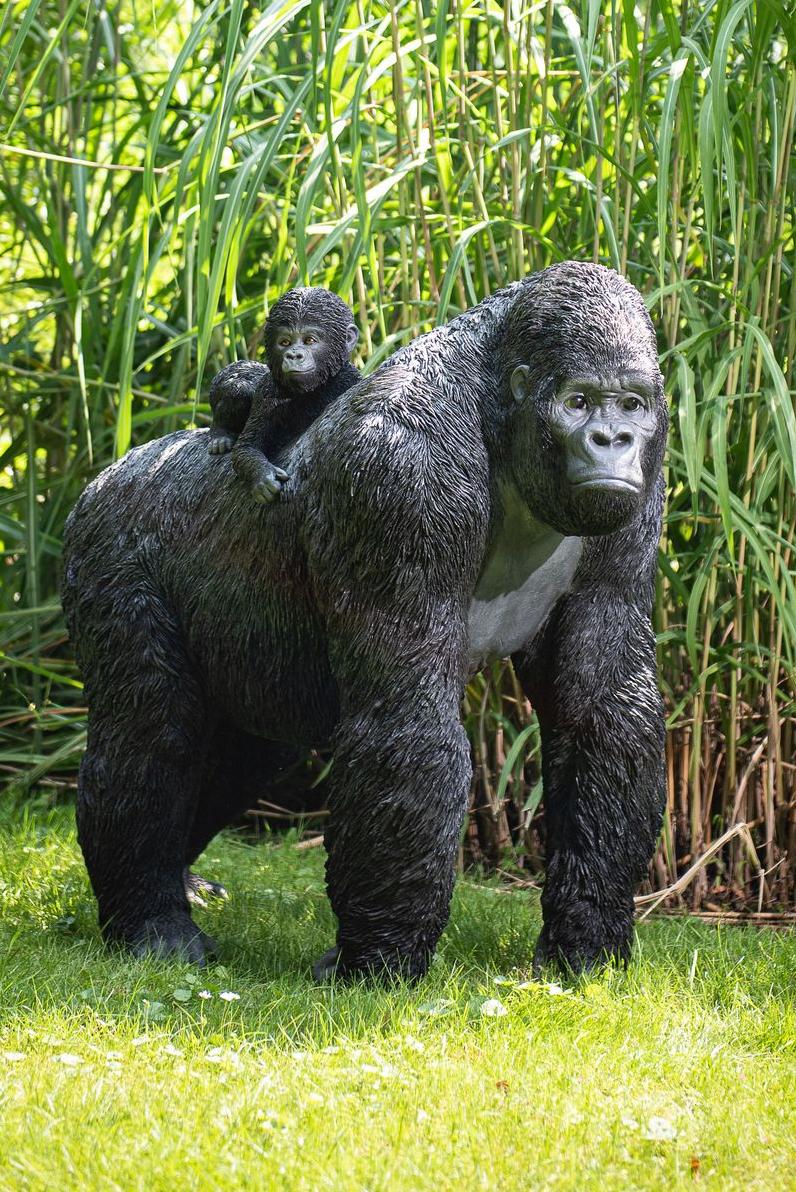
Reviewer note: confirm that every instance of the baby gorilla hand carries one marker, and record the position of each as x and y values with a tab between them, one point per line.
268	483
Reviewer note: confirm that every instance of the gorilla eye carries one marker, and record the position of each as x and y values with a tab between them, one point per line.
283	341
310	339
631	403
575	401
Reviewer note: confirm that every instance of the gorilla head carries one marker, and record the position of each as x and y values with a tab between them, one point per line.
580	378
309	336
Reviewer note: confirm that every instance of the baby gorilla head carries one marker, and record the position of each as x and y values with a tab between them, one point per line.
309	335
582	376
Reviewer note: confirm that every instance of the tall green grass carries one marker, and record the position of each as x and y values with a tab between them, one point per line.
167	172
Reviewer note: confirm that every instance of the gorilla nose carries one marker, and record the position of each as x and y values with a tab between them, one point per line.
606	438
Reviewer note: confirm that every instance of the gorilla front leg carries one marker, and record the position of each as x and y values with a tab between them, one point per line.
397	538
399	789
399	797
593	685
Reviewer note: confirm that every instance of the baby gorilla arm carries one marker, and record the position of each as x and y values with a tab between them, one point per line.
250	460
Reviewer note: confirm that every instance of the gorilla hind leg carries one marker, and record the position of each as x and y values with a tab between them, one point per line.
134	853
140	778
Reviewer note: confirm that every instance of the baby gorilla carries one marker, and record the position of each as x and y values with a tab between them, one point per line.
258	410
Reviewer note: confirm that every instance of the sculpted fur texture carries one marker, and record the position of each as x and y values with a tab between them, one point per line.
495	487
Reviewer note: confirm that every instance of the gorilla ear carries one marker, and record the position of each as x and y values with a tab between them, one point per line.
351	337
520	383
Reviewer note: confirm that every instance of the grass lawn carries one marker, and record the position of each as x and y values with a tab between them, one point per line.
121	1074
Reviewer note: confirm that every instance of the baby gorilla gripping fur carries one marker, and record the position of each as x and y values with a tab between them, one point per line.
494	488
259	409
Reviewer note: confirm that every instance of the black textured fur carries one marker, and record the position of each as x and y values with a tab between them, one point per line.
213	636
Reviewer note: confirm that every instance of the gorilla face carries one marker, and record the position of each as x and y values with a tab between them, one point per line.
580	387
597	437
309	336
304	356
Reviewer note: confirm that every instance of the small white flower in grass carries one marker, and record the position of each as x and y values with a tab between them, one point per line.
170	1049
660	1129
70	1060
554	990
13	1056
204	994
422	1116
414	1044
492	1008
228	996
630	1123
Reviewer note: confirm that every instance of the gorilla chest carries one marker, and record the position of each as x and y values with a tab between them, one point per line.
525	573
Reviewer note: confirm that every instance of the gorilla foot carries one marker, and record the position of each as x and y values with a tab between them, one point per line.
381	968
220	444
582	939
172	936
199	889
326	967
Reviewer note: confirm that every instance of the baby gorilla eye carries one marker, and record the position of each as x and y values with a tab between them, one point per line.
283	341
310	339
575	401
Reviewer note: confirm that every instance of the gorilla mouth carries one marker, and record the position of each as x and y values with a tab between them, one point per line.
297	372
608	483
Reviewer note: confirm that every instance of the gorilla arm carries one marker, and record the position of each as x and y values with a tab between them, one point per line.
250	453
592	680
398	547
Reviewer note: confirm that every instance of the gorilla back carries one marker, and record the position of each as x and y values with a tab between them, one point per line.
495	487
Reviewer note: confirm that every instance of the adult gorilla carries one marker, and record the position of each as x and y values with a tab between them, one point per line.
494	488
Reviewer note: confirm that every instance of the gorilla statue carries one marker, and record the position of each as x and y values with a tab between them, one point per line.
494	488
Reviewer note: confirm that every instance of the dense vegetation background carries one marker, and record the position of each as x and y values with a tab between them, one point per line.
168	170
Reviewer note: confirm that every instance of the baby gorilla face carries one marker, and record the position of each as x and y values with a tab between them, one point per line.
302	356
